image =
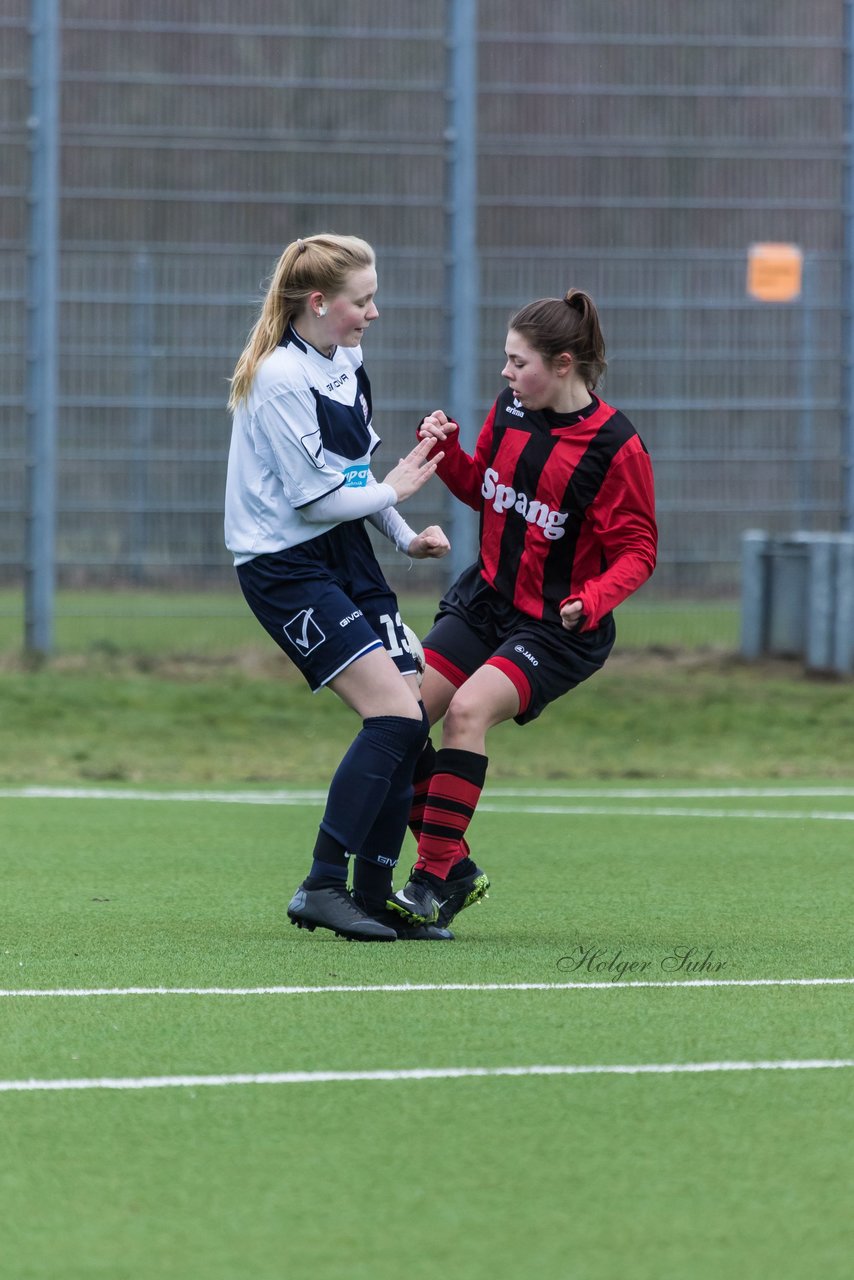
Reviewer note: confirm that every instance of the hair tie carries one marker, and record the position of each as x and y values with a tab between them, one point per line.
300	246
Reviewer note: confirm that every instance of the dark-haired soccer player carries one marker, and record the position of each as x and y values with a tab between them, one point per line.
564	487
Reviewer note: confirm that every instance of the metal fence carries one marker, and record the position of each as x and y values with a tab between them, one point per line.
634	149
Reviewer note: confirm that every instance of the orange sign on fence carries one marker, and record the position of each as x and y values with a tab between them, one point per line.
774	272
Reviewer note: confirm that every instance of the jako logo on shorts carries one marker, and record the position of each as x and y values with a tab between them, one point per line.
504	496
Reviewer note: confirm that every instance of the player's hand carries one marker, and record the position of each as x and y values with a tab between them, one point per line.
437	425
413	471
430	544
570	615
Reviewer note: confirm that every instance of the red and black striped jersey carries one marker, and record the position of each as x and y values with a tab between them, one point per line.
566	502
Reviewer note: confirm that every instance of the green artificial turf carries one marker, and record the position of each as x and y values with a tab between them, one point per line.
641	1177
611	1177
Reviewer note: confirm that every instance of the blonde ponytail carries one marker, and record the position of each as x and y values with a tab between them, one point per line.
320	262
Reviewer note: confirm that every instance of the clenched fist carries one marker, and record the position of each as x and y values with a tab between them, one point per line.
430	544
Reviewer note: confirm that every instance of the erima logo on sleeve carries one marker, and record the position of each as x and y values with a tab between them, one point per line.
504	496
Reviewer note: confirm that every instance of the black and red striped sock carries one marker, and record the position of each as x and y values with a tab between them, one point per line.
455	787
420	787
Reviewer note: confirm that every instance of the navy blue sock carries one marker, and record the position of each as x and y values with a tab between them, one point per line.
329	863
323	875
361	783
378	856
372	885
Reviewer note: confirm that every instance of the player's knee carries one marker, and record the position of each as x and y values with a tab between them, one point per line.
418	731
398	735
465	714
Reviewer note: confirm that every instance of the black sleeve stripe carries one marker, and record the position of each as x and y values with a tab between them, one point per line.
334	489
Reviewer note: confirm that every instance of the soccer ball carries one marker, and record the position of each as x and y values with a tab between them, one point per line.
417	650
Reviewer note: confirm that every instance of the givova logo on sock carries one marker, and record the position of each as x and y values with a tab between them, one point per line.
303	632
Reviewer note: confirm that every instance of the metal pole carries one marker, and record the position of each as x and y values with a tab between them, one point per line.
806	445
848	270
143	342
463	284
42	329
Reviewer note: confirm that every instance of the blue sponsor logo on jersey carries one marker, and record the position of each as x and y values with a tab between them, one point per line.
356	477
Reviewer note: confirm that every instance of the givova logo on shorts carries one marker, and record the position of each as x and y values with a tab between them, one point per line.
303	632
504	496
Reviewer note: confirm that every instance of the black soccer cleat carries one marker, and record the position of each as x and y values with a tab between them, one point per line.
461	893
334	909
406	932
420	932
419	901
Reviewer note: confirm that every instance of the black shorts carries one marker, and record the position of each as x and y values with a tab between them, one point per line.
326	603
475	625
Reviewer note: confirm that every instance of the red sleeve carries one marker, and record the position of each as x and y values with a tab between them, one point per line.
622	517
462	474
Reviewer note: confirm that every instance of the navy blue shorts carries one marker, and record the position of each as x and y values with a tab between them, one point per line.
475	625
326	603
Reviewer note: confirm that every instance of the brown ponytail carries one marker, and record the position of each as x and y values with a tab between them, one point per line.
571	323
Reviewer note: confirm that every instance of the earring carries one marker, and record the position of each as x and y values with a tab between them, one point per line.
321	311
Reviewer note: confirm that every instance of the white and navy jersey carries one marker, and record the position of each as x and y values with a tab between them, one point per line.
303	431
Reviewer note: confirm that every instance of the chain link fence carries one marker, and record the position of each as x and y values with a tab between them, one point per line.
636	150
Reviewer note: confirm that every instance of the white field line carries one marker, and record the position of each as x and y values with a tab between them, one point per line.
309	795
295	797
489	805
636	811
660	793
418	1073
406	987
